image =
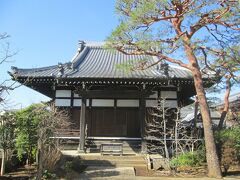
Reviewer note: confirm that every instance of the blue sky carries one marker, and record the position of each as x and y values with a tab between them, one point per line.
45	32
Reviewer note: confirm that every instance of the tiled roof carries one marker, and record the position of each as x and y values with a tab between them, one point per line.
233	99
187	116
95	61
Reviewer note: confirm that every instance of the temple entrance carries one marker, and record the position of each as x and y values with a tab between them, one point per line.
114	122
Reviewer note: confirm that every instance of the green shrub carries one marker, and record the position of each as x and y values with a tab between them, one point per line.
68	166
48	175
232	134
27	121
195	158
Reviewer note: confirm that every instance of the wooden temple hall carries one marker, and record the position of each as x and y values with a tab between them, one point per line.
106	100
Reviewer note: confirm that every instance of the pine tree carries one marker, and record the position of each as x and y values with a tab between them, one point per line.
193	34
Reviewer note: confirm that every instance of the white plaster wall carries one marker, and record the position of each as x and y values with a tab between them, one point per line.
62	102
76	95
151	103
155	103
128	103
63	93
78	102
103	102
171	103
155	95
169	94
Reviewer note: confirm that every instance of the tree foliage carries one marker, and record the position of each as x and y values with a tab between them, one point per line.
149	27
7	130
30	132
7	136
27	121
229	143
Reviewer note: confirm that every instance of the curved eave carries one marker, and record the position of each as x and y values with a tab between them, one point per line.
96	80
92	80
45	84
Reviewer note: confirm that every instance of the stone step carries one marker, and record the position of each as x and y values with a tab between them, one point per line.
107	167
114	161
116	165
124	146
134	162
97	160
69	146
129	147
113	164
125	150
108	172
124	143
99	142
116	158
97	150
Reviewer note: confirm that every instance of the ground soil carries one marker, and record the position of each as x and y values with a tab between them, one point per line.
186	172
229	155
22	173
25	173
179	172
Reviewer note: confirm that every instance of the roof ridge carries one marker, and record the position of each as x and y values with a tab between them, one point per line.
79	58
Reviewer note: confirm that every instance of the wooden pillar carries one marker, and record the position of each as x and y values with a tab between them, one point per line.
142	114
81	147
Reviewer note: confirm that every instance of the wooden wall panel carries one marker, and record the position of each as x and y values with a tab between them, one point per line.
75	118
102	119
126	123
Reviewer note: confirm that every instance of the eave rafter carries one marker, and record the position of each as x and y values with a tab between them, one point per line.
78	81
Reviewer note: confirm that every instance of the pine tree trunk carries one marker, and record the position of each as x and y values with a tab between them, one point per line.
226	103
214	169
3	162
195	113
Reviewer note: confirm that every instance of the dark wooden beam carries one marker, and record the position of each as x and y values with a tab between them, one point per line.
113	94
142	116
81	148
